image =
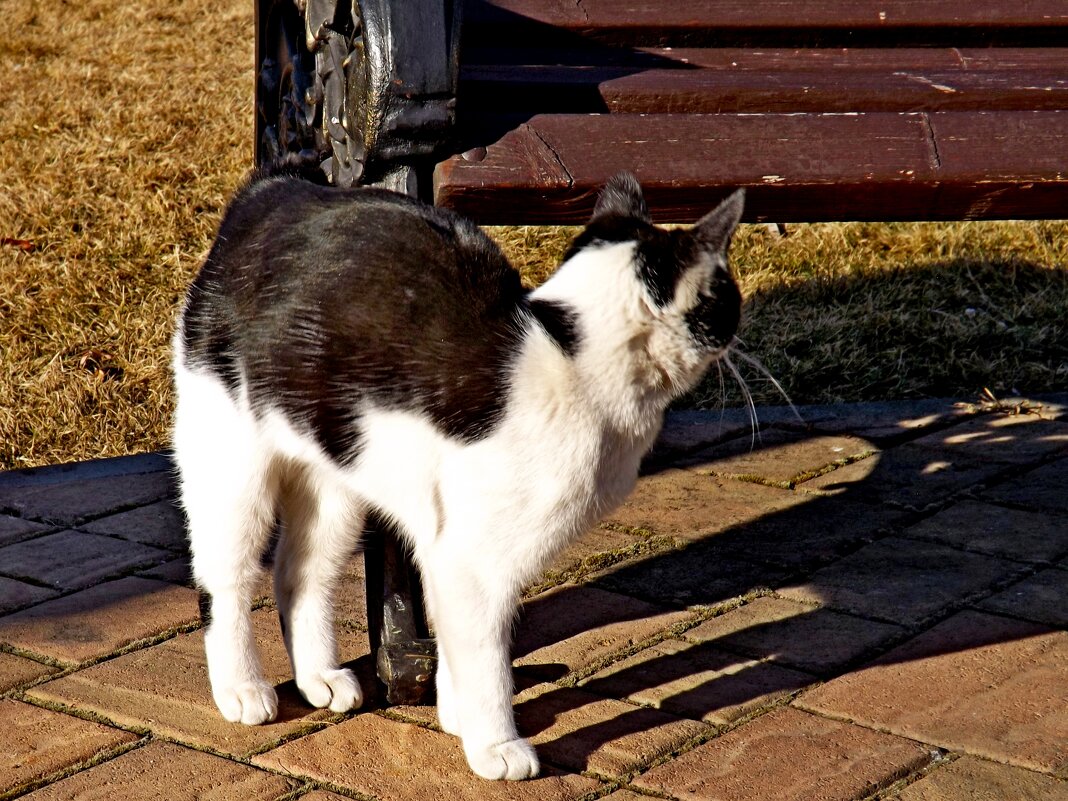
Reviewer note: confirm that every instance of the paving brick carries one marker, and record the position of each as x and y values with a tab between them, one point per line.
1042	598
97	621
689	506
987	685
17	594
165	689
995	530
401	761
161	524
176	571
626	795
807	535
15	529
902	581
582	732
573	627
15	670
789	756
780	456
884	422
70	502
1013	439
696	575
72	560
164	770
697	681
38	742
598	547
909	476
1043	489
974	779
816	640
37	477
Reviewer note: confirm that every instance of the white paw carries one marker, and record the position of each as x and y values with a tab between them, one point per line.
248	702
448	718
513	760
336	689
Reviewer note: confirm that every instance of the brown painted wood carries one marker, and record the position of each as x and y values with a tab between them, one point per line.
850	81
796	167
777	14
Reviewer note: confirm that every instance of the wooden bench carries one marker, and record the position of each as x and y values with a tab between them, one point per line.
822	109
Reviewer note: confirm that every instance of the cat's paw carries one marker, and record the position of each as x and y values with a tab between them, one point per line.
248	702
512	760
448	715
336	689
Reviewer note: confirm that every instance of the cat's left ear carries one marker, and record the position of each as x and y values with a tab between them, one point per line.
622	196
714	230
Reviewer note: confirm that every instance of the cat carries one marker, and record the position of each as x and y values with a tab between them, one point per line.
343	351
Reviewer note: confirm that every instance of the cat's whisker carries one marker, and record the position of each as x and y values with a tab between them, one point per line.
754	423
759	366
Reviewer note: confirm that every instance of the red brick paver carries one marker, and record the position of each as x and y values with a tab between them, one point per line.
971	779
987	685
811	629
167	771
37	742
97	621
396	761
165	689
789	756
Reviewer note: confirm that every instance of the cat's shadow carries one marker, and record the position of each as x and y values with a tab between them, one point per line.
846	577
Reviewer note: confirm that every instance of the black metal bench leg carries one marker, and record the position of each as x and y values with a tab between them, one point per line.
396	622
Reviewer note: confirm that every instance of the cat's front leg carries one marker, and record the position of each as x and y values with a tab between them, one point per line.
473	617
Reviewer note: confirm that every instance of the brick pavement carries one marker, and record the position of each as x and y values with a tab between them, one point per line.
870	605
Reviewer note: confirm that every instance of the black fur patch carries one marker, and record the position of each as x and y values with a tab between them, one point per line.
661	255
324	299
559	322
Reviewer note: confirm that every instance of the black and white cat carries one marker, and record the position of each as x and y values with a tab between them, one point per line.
349	350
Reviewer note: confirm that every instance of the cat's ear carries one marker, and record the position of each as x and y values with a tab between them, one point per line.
621	196
713	231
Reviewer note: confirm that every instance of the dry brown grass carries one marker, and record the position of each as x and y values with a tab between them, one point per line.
124	126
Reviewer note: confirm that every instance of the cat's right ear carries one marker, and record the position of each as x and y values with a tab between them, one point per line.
622	197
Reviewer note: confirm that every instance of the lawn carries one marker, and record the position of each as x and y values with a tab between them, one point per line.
125	126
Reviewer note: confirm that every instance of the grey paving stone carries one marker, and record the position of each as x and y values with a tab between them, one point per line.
84	471
161	524
72	560
68	503
816	640
910	476
17	594
1043	489
1007	439
15	529
902	581
1042	598
998	531
697	575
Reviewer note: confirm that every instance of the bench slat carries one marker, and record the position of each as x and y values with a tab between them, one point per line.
797	167
637	20
887	84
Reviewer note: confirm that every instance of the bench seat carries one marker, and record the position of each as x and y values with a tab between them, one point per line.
823	110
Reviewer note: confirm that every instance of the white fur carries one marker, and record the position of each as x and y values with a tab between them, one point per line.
483	519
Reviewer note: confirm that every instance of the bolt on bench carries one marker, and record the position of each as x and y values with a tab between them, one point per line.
822	109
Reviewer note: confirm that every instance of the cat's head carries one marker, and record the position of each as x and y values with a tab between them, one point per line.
685	302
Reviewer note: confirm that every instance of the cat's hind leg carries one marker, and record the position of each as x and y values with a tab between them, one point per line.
321	525
226	489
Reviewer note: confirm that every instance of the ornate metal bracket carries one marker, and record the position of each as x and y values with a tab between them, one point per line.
374	81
